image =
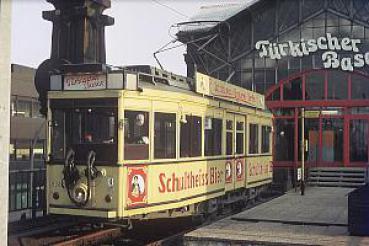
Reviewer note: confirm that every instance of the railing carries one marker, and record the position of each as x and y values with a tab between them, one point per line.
22	196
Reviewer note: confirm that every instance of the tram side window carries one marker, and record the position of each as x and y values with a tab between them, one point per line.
239	137
254	139
265	139
213	137
136	135
165	136
191	137
229	137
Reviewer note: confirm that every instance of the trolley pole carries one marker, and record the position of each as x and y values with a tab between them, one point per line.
302	151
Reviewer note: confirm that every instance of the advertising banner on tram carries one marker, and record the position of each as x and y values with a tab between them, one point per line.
157	184
209	86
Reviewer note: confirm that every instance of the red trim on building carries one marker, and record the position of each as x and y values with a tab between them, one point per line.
343	105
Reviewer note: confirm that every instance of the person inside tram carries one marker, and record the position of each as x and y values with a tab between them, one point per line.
136	135
140	124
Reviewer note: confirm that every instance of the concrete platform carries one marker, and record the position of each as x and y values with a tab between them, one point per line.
318	218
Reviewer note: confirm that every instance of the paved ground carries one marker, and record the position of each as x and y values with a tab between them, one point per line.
319	205
318	218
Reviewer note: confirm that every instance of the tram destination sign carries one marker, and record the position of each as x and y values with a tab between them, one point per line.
209	86
85	82
329	45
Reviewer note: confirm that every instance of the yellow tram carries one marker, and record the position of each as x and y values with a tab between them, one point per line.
139	142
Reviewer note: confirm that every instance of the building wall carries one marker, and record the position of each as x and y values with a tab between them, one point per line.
27	142
5	27
232	55
27	124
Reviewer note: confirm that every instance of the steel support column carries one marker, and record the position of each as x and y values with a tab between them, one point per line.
5	78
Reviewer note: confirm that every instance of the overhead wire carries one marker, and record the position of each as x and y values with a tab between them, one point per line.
172	9
174	39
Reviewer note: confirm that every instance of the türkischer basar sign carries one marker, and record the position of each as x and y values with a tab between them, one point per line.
85	82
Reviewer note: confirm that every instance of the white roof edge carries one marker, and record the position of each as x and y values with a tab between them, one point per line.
210	15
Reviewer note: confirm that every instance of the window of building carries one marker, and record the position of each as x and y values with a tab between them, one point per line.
359	110
284	140
359	131
360	87
13	108
293	90
254	139
23	148
190	145
12	150
229	137
314	83
213	136
38	150
23	108
337	85
165	136
36	110
19	194
265	139
136	135
240	137
332	139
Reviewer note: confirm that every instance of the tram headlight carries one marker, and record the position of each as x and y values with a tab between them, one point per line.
80	193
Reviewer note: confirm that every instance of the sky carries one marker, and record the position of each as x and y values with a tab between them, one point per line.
141	28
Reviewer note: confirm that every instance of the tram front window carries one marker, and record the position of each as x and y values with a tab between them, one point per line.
92	126
83	130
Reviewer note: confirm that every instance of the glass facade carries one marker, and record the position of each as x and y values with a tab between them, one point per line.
359	132
336	119
234	55
284	140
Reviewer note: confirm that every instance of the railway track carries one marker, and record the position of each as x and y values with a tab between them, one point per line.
176	231
70	232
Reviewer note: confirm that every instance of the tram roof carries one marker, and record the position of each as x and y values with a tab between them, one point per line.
151	77
89	77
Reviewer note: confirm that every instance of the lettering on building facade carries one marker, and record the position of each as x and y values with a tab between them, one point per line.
329	44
